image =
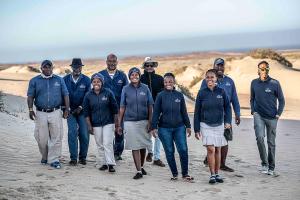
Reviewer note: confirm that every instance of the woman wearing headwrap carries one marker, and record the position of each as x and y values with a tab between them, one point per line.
136	108
101	111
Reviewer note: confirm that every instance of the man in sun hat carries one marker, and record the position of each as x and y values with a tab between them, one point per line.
264	94
78	85
226	83
155	83
48	93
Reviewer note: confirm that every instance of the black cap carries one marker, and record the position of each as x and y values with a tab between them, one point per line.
76	62
219	61
46	62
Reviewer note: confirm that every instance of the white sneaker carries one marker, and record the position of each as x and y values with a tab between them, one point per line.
271	172
264	169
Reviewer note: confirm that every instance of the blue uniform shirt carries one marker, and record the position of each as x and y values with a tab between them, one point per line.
116	83
136	100
212	107
77	90
170	110
47	92
228	85
264	96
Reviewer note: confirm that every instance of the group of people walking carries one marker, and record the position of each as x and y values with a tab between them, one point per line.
144	112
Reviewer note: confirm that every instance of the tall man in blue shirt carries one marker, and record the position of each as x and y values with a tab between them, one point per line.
228	85
264	94
78	85
48	92
115	80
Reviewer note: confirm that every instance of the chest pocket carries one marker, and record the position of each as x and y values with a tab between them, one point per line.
142	97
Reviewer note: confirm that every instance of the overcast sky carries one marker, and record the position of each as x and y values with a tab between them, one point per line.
38	25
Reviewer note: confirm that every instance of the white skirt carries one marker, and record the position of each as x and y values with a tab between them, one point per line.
212	135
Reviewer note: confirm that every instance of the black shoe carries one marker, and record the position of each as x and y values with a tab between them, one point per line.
73	162
103	168
83	162
144	171
118	157
138	176
219	179
159	163
226	168
111	168
149	157
212	180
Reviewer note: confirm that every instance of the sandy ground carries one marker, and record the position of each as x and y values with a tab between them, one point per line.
22	177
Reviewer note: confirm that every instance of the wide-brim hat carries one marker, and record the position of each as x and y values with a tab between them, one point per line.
149	60
76	62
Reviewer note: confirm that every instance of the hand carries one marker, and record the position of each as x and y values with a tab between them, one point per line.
237	120
90	130
227	126
198	135
77	111
119	130
188	132
32	115
66	113
154	133
277	116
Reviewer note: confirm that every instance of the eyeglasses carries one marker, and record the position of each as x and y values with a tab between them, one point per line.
148	65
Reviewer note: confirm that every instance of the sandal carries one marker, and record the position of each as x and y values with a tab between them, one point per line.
188	178
174	178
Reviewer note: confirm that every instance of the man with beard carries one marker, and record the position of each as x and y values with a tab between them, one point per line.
115	80
264	94
78	85
228	85
48	92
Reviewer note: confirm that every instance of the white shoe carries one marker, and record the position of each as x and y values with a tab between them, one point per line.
271	172
264	169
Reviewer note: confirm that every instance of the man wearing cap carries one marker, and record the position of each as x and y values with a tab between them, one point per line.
264	94
228	85
48	93
78	85
115	80
155	83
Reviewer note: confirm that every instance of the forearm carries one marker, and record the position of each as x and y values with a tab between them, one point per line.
30	102
67	102
121	115
150	114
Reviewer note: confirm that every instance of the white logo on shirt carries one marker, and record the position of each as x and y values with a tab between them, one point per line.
120	81
142	93
177	100
104	98
228	84
268	90
56	84
82	86
219	97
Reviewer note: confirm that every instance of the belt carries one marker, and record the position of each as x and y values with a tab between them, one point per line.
48	110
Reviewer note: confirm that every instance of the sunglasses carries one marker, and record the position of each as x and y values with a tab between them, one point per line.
148	65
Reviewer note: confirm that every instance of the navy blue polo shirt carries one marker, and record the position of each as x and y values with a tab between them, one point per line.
101	107
264	96
47	92
77	90
170	110
136	100
212	107
228	85
116	83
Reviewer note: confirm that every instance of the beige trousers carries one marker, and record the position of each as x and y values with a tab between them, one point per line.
104	137
48	134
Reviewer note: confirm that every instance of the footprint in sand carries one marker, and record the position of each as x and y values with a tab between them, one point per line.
23	172
214	190
40	174
244	193
239	175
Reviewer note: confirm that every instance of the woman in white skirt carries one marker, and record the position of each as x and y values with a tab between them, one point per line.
136	109
212	114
